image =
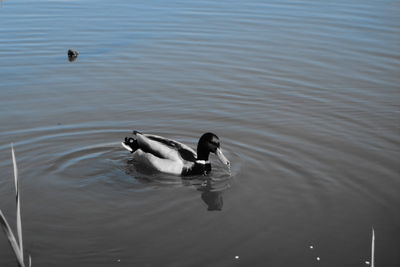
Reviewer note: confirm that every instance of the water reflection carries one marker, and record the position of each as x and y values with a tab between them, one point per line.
211	188
213	199
211	191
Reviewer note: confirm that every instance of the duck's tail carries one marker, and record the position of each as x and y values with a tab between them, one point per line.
130	144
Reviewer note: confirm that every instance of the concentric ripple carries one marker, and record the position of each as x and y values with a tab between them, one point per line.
76	156
303	94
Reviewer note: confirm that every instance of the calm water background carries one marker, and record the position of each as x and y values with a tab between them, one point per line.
304	95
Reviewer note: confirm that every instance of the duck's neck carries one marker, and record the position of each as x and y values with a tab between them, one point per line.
202	154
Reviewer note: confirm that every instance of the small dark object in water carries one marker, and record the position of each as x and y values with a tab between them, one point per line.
72	55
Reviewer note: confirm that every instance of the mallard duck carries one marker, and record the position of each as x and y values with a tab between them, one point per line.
170	156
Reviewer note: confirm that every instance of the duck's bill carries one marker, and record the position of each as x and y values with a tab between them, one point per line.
222	157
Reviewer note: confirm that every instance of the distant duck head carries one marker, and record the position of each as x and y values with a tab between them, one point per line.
209	143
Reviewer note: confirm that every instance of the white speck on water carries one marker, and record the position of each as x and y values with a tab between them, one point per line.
236	257
311	247
119	260
318	258
367	262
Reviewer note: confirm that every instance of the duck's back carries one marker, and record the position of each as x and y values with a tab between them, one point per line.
166	148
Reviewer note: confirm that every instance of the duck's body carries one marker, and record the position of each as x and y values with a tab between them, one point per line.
170	156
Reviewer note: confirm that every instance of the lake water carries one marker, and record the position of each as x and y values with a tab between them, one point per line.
305	96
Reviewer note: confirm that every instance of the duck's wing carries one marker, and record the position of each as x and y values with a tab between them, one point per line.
156	163
184	151
165	148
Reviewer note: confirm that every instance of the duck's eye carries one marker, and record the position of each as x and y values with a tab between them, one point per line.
214	143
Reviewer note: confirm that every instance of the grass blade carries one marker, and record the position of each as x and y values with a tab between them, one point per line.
373	248
19	224
11	238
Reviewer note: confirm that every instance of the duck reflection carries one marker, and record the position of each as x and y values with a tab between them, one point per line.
212	192
211	188
213	199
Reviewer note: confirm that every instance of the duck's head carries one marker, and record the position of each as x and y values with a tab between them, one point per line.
209	143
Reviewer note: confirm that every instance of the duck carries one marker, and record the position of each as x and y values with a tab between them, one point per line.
169	156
